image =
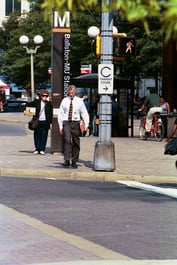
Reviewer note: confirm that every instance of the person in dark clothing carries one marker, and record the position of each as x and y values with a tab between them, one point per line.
115	116
44	112
2	100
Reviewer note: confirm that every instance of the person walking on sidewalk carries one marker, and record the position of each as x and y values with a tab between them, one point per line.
44	112
72	109
152	103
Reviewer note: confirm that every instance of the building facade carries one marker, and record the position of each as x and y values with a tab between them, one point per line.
9	6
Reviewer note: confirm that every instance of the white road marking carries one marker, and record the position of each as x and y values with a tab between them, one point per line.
113	262
165	191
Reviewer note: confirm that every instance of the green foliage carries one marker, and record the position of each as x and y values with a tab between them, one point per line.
149	53
169	19
132	10
16	60
148	59
35	5
82	47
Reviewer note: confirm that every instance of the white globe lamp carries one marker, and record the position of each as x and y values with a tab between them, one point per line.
93	31
115	30
38	39
24	40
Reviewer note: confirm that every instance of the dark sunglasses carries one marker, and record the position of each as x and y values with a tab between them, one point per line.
44	95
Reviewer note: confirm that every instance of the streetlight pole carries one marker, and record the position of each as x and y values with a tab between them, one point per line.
32	73
24	41
104	154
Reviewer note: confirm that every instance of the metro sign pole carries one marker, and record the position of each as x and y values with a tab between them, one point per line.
104	155
60	63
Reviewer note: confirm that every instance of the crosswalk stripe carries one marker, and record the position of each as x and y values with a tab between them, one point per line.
171	192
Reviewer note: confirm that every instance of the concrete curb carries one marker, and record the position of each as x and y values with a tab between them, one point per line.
88	176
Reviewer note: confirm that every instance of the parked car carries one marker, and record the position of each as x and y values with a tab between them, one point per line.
14	104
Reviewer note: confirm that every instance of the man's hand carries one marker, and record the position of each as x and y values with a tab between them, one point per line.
61	131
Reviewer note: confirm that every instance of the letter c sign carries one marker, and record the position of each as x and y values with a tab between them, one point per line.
105	78
105	71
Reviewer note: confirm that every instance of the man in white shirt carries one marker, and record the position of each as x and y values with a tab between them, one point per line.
71	111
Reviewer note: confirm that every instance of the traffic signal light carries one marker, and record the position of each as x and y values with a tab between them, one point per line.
123	46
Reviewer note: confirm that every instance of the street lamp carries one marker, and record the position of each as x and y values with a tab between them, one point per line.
104	155
24	40
94	31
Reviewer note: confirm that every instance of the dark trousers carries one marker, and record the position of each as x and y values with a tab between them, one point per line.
40	136
71	140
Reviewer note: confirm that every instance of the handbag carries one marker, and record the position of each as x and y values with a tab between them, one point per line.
33	123
171	147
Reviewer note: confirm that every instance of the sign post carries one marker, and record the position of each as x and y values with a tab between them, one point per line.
104	155
60	71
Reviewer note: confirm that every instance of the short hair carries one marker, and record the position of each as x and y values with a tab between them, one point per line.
152	89
44	92
71	87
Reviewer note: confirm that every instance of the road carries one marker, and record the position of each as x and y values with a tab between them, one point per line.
10	129
138	223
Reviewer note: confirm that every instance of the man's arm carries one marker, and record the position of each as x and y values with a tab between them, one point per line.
84	116
142	107
60	119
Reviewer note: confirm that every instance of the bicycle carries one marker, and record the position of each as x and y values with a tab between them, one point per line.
157	129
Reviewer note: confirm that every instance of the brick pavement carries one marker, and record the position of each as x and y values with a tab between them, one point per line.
25	240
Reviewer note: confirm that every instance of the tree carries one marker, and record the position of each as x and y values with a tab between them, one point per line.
148	59
133	11
35	5
17	61
5	37
83	48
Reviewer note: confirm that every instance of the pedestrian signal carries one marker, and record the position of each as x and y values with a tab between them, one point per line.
123	46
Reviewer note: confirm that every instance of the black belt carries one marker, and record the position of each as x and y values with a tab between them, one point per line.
72	121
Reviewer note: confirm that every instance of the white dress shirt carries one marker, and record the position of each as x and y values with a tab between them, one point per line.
79	111
42	112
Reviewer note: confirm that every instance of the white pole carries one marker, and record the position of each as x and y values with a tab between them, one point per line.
32	76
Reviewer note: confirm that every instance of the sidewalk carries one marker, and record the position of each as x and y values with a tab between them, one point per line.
25	240
135	159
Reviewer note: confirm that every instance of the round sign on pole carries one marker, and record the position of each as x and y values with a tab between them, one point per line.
105	78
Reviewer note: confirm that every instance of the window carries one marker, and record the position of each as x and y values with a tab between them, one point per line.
12	6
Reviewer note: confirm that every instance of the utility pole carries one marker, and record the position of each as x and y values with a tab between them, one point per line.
104	155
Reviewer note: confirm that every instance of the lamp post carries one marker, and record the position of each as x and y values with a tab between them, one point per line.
24	40
104	155
94	31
